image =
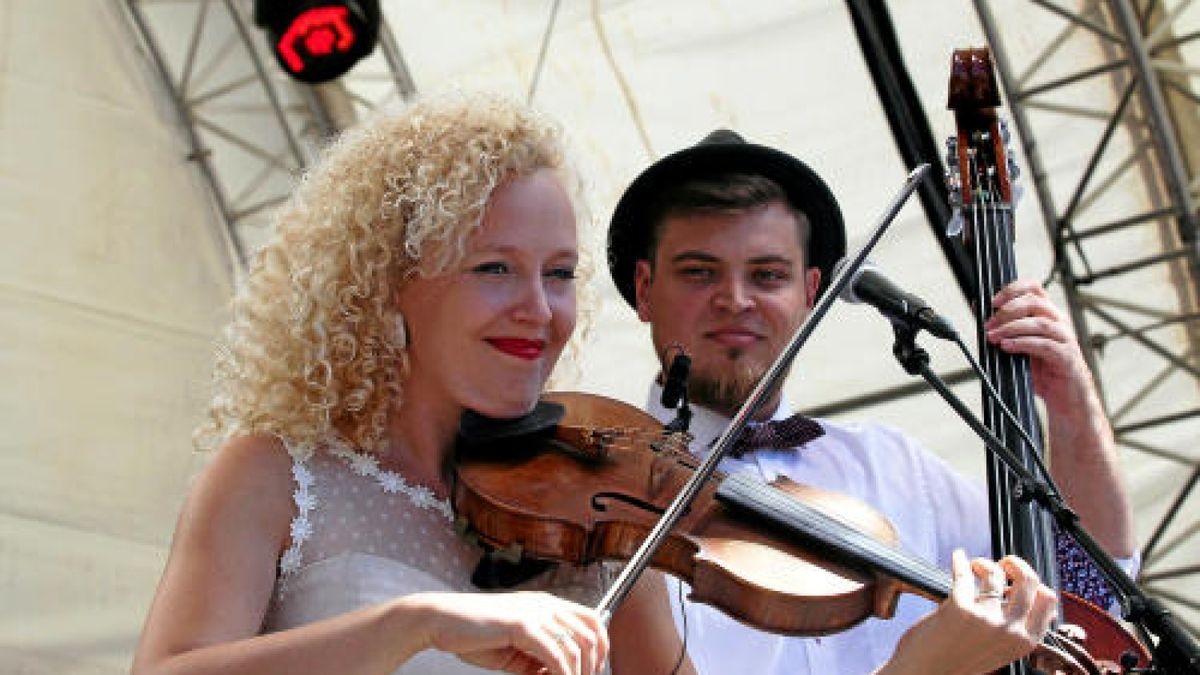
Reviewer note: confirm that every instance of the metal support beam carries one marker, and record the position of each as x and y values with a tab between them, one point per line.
250	129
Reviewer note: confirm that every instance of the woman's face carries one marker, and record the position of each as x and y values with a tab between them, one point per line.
486	335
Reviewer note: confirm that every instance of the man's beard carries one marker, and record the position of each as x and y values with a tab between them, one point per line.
726	391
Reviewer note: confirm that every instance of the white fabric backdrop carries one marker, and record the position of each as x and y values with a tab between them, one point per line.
113	277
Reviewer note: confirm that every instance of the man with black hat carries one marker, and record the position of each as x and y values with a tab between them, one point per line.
723	248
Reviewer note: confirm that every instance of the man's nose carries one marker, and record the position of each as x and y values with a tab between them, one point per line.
733	295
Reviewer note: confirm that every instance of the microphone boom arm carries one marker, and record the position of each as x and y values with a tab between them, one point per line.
1176	651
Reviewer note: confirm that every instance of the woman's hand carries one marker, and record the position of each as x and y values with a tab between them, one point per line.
524	632
996	613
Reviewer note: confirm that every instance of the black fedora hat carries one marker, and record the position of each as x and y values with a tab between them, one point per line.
722	152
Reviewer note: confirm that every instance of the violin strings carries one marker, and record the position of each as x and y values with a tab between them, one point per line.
844	537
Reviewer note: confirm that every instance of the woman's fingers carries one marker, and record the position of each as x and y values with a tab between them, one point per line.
561	644
990	580
1021	593
996	613
964	587
570	639
1042	613
1033	604
586	631
1011	594
522	632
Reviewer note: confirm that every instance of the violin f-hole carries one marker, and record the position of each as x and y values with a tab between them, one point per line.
599	499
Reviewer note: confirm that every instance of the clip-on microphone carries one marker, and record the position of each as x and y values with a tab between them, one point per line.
674	393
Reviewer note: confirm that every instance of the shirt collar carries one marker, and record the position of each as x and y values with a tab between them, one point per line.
707	424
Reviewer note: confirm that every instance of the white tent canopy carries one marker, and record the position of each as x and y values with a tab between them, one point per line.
117	267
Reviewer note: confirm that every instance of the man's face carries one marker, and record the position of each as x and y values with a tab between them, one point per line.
730	288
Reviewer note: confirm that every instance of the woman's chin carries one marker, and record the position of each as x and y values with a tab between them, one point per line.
508	408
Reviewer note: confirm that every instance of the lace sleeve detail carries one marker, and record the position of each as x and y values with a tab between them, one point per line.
301	528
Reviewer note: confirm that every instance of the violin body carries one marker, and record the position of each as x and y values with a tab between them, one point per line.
594	486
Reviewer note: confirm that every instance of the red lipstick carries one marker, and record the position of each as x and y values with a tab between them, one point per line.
519	347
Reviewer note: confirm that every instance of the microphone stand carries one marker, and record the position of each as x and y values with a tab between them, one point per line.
1176	651
641	558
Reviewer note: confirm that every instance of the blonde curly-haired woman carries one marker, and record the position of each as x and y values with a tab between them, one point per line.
424	268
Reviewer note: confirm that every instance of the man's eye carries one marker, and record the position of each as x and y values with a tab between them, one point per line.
698	273
770	276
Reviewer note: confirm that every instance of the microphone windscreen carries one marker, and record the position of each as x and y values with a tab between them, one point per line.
676	384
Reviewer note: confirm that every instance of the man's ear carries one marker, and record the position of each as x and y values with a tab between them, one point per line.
643	274
812	282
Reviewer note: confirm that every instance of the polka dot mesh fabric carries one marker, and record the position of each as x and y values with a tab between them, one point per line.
348	504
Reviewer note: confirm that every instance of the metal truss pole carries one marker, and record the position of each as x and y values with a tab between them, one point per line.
250	129
197	153
1161	125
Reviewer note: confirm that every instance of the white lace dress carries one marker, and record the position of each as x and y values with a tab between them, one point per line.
363	535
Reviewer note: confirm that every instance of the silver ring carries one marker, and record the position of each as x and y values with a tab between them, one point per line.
561	637
989	595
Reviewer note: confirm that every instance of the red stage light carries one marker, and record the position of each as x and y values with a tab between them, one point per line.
321	29
317	41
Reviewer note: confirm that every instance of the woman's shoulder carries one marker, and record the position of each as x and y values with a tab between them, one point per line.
247	477
254	458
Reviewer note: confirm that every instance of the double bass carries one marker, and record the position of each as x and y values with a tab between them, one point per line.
980	179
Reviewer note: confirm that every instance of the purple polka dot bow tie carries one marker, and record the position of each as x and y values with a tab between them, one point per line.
777	434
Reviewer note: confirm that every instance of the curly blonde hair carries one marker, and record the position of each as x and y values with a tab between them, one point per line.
312	348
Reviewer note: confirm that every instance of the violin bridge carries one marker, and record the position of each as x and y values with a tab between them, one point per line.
586	451
588	443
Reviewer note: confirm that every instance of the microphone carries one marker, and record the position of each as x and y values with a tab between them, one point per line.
870	286
676	383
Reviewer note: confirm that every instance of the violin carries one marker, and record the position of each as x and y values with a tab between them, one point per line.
584	479
599	480
980	181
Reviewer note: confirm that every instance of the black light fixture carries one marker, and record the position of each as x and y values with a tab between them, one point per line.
319	40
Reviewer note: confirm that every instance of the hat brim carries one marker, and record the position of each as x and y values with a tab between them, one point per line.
630	229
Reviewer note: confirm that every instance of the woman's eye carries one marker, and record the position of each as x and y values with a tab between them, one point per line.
491	268
562	273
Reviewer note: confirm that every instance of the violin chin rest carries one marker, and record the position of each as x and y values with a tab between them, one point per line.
476	429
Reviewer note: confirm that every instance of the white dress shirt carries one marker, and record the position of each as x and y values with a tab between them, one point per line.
933	509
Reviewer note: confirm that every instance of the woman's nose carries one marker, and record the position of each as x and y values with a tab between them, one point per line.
534	303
